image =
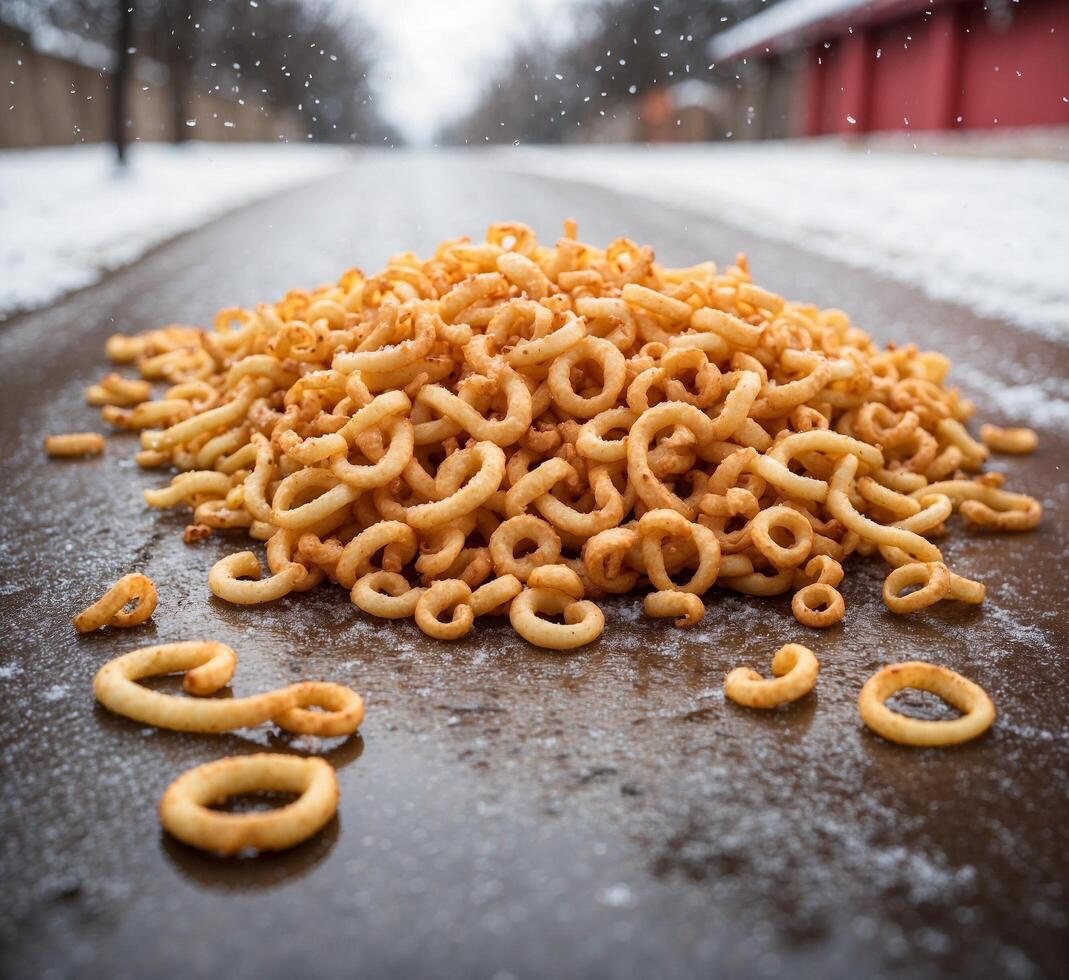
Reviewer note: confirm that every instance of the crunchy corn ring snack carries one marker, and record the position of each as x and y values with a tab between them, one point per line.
110	608
795	673
208	667
978	712
185	814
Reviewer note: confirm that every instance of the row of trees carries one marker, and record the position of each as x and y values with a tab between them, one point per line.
618	50
307	56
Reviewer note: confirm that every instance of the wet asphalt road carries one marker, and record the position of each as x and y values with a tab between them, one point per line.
507	812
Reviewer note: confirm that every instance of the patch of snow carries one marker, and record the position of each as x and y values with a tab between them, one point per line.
616	896
987	234
1043	403
69	214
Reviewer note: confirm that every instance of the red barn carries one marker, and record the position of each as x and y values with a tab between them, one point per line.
815	67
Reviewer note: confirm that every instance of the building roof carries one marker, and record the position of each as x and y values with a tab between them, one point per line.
790	23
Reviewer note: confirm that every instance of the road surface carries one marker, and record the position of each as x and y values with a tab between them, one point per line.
508	812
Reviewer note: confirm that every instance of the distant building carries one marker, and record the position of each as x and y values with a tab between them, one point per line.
816	67
684	112
57	90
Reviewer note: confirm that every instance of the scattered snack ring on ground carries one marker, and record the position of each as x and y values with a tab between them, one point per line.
1018	441
685	606
795	670
208	667
185	806
818	605
75	444
110	609
573	420
977	710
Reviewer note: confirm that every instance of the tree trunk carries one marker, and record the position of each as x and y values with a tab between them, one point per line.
120	80
180	64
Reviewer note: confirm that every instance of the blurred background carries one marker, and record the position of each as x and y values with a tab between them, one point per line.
195	91
555	71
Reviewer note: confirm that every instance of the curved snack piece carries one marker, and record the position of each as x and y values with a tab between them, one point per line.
185	814
970	699
236	578
496	595
933	577
807	602
74	444
989	506
510	534
109	609
386	595
442	595
1019	441
795	668
686	606
209	667
583	621
658	525
782	518
558	577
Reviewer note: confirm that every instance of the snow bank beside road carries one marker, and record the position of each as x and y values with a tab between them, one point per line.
67	216
992	235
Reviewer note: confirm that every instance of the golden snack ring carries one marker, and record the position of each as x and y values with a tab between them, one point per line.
685	606
486	480
386	595
185	813
355	559
583	624
604	557
109	609
978	712
933	577
782	556
236	578
512	533
439	597
654	527
807	602
795	668
208	666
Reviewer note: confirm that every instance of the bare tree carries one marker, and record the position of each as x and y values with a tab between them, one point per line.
120	79
313	60
619	50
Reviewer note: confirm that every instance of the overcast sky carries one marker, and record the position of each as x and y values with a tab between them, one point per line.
439	53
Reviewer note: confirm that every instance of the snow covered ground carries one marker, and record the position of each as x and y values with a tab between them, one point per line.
989	234
67	216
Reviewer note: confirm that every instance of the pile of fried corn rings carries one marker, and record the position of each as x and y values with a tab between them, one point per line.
511	428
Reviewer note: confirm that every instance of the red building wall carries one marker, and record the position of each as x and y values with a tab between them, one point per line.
958	65
1017	75
838	80
909	64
